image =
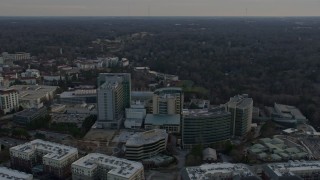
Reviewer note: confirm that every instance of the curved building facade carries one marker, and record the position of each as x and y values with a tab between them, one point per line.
146	144
205	127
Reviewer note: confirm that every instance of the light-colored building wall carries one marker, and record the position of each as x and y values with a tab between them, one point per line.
9	100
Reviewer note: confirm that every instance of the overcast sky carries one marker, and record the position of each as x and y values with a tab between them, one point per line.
159	7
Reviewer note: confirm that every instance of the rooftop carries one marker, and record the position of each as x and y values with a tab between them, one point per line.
212	171
31	92
120	167
78	93
29	112
160	119
203	113
289	168
54	150
242	101
288	111
6	173
147	137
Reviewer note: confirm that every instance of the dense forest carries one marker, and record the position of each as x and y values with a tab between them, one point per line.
271	59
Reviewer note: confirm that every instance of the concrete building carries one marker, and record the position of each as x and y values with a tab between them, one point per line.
55	158
134	118
114	95
33	96
168	101
171	123
78	96
125	81
143	98
146	144
17	56
7	174
240	107
295	170
219	171
110	105
205	127
209	155
28	115
9	100
288	116
99	166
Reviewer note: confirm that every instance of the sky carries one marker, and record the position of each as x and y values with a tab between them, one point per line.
159	7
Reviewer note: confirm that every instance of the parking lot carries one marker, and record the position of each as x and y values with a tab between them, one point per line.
314	145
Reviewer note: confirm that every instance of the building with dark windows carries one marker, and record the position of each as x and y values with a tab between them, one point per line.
205	127
28	115
240	107
79	96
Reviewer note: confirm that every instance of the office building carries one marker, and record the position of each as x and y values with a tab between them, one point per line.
219	171
134	117
79	96
205	127
146	144
99	166
168	101
240	107
142	98
9	100
7	174
110	104
125	81
295	170
55	158
171	123
288	116
28	115
33	96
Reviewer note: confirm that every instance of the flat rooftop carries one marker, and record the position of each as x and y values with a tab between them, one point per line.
203	113
6	173
28	112
31	92
160	119
212	171
242	101
54	150
288	111
288	168
147	137
120	167
79	93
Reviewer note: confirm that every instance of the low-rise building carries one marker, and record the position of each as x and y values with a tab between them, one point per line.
33	96
288	116
9	100
28	115
134	118
292	170
99	166
55	158
146	144
7	174
219	171
171	123
79	96
209	155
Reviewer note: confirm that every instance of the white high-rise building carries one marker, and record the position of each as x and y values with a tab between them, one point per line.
9	100
113	96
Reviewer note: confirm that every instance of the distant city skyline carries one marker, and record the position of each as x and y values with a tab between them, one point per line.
159	8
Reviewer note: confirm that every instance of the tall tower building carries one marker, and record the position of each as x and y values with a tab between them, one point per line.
113	97
240	107
126	84
9	100
168	101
